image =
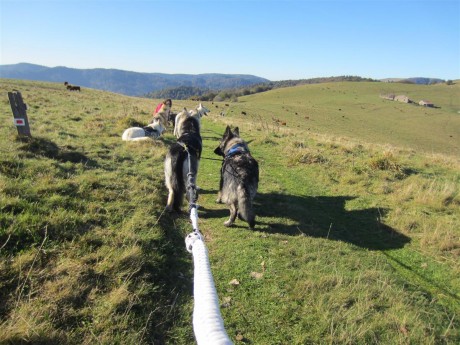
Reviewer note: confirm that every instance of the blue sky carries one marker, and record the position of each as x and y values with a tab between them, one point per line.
276	40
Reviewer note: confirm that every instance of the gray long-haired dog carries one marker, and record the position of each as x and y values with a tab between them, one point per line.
239	177
182	159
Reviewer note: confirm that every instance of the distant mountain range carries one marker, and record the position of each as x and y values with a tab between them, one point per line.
180	86
126	82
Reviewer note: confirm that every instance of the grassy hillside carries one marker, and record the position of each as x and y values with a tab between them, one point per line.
355	110
357	241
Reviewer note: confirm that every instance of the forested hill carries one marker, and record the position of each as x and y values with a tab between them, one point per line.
186	92
126	82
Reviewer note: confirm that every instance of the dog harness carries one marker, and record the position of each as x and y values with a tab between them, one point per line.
151	132
188	146
236	150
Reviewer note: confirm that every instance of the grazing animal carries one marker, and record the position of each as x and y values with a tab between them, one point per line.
197	113
152	131
181	163
73	88
239	177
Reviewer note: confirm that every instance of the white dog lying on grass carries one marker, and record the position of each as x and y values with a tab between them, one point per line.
152	131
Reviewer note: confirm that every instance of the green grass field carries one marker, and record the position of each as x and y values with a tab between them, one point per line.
355	110
358	211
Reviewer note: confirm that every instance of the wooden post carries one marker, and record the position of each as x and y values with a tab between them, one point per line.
19	113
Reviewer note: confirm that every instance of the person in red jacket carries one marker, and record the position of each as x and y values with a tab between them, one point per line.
163	106
162	111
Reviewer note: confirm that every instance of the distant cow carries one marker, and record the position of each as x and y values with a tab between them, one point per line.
73	88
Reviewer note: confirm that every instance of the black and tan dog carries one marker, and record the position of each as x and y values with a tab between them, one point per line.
181	163
239	177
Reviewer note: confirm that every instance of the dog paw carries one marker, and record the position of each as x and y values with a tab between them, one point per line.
228	223
169	208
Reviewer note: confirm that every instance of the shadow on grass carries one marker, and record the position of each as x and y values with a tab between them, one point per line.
43	147
321	216
169	270
327	217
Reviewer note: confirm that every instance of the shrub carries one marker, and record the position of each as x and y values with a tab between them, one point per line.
307	157
387	162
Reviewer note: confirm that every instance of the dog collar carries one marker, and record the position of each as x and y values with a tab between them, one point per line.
237	149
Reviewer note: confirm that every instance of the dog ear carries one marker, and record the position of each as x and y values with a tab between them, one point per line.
236	132
227	132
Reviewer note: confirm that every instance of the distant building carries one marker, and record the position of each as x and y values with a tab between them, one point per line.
403	99
426	104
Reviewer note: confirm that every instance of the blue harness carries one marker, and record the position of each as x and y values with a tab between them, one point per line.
237	149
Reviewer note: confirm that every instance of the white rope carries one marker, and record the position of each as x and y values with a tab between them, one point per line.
194	219
207	321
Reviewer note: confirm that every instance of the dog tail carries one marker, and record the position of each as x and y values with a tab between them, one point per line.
245	210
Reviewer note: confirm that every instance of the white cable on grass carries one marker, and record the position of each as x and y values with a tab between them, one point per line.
207	321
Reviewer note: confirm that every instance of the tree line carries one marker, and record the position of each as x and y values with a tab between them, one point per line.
231	95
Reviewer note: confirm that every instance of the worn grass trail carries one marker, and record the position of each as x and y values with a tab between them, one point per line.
323	264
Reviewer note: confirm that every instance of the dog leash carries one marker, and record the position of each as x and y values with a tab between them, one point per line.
212	159
208	324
